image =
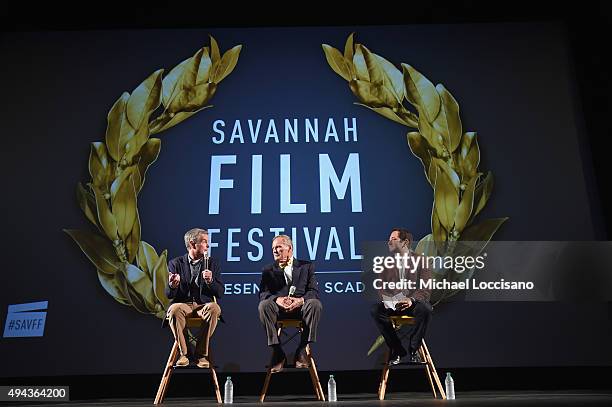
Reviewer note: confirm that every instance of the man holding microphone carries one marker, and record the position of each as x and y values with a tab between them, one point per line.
288	289
194	285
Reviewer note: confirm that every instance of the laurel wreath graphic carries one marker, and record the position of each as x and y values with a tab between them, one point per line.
450	157
133	272
130	269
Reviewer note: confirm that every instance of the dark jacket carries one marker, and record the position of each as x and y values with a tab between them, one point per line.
273	282
421	273
180	265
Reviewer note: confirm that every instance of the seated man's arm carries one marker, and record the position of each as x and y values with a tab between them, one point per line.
312	286
265	287
172	269
422	294
216	285
311	291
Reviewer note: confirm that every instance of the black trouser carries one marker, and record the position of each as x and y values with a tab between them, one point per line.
421	311
309	313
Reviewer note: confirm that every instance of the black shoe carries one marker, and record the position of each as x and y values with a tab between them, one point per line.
396	356
278	359
415	359
301	359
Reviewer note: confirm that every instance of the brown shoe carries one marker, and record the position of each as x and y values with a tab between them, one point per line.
277	362
182	361
301	360
203	363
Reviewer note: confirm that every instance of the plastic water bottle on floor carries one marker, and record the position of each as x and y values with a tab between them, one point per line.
331	389
229	391
450	387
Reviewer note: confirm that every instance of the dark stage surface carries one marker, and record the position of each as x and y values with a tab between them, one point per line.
407	385
505	398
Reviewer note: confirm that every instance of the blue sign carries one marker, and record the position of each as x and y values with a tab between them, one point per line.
26	320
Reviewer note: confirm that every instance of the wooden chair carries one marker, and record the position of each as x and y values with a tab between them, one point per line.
193	322
312	367
432	375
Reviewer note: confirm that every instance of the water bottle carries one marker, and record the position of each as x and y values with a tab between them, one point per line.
229	391
331	389
450	387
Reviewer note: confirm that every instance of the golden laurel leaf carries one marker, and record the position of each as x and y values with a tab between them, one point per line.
118	167
450	156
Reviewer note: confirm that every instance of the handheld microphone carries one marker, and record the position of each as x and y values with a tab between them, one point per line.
206	264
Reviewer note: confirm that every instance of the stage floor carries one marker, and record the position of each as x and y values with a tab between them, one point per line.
482	399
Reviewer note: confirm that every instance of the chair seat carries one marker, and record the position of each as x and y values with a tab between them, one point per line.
289	323
399	320
194	322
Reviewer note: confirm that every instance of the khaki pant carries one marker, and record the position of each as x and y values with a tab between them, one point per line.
178	314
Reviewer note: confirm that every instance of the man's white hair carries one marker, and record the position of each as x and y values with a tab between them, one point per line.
286	240
193	236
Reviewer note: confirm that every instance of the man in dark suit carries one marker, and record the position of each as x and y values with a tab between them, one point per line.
194	284
414	303
288	289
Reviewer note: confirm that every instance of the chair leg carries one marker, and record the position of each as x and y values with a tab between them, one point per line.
314	375
163	385
434	373
428	372
315	382
264	390
384	377
262	396
213	372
